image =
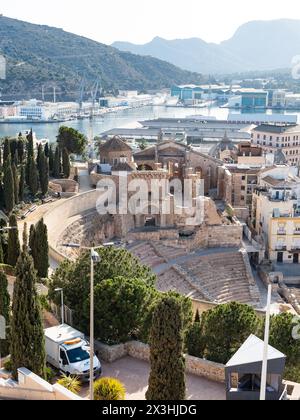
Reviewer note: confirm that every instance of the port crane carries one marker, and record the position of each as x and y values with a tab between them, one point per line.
95	89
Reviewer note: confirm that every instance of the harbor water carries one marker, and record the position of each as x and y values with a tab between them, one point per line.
119	119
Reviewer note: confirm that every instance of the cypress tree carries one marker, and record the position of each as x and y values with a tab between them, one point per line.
33	181
39	156
13	245
21	150
197	317
31	242
25	239
39	248
6	151
1	252
16	183
43	173
167	377
66	163
30	145
56	164
46	150
51	160
8	186
4	311
22	184
27	335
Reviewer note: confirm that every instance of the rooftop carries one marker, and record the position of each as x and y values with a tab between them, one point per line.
252	352
115	144
277	128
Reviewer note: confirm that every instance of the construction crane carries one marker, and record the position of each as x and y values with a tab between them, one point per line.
96	88
81	93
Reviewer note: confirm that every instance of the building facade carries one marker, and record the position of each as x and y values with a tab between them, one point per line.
276	214
284	137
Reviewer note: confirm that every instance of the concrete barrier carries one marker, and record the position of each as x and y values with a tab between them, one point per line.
32	387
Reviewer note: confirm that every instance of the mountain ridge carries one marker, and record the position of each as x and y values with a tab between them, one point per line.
41	55
254	46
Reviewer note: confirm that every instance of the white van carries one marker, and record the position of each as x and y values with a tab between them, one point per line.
68	350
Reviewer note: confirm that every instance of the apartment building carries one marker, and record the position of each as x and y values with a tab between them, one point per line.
284	137
276	214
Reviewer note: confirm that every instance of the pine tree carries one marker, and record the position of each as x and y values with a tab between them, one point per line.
22	184
43	168
13	245
66	163
8	186
51	160
27	335
167	377
39	248
33	181
16	183
4	311
56	164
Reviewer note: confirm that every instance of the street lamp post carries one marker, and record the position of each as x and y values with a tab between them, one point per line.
94	258
263	385
62	305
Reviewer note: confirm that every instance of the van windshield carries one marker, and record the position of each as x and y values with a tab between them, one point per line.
78	355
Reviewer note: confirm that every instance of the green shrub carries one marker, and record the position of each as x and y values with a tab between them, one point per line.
44	303
8	365
109	389
71	383
49	374
7	269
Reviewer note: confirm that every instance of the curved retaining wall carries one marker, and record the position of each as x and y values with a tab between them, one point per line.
56	219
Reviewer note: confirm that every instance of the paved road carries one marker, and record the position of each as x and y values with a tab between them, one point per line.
134	374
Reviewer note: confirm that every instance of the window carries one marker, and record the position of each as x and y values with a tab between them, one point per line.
63	357
78	355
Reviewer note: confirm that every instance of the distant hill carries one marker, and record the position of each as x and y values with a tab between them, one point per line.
257	45
41	55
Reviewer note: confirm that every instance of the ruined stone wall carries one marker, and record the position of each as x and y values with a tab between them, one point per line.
225	236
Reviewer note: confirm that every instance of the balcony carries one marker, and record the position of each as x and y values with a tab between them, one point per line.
295	249
281	232
281	248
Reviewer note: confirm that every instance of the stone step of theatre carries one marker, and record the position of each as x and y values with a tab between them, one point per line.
171	280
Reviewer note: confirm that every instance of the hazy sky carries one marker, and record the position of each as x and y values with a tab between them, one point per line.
140	20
